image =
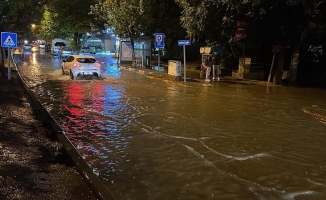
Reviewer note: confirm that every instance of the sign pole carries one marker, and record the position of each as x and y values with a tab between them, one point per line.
9	68
275	49
270	71
158	63
159	44
184	63
184	43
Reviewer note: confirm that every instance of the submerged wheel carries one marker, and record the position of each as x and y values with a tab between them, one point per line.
71	75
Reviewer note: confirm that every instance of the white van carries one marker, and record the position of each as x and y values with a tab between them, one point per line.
57	44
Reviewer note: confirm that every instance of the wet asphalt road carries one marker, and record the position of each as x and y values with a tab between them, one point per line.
149	138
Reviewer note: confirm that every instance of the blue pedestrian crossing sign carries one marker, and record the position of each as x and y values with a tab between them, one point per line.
8	39
159	40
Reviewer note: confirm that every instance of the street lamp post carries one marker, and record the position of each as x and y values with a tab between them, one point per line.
34	30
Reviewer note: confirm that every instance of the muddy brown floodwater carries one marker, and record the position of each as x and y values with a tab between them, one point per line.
148	138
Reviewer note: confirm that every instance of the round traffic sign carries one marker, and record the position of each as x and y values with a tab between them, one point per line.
276	48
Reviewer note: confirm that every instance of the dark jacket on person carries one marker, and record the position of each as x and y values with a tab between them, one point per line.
208	61
216	59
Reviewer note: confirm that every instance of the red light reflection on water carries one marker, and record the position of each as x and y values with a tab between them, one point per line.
75	98
98	99
73	124
79	127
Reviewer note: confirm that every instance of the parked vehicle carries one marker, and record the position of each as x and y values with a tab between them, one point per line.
47	47
42	46
27	47
57	44
65	52
80	66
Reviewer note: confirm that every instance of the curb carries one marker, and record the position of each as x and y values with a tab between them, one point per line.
154	73
91	179
224	79
136	70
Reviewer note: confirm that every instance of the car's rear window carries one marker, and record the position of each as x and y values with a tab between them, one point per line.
61	44
86	60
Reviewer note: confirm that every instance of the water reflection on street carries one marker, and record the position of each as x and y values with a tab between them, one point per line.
149	138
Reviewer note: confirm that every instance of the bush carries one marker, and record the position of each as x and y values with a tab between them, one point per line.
230	62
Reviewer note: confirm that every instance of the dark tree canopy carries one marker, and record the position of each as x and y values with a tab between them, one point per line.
19	15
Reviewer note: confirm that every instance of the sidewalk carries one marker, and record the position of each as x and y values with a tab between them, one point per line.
32	164
192	75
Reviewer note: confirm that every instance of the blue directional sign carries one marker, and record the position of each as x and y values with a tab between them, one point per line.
8	39
184	42
159	40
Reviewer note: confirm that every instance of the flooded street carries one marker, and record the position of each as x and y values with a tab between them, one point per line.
149	138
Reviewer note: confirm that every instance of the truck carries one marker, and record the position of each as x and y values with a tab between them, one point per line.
57	44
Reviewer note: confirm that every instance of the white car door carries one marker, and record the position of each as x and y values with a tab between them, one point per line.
67	64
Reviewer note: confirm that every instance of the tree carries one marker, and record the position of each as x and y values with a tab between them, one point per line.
47	27
18	15
214	22
269	21
166	19
71	20
130	18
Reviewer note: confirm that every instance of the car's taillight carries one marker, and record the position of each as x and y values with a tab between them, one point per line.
97	65
77	65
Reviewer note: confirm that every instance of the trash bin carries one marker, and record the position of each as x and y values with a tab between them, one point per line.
174	67
148	62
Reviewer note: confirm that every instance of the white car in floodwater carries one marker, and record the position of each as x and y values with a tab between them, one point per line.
80	66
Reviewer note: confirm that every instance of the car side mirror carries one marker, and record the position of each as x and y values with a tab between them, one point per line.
64	60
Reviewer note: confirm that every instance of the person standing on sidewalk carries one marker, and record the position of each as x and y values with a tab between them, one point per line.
216	65
208	64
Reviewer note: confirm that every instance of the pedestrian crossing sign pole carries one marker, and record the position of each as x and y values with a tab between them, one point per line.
9	40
